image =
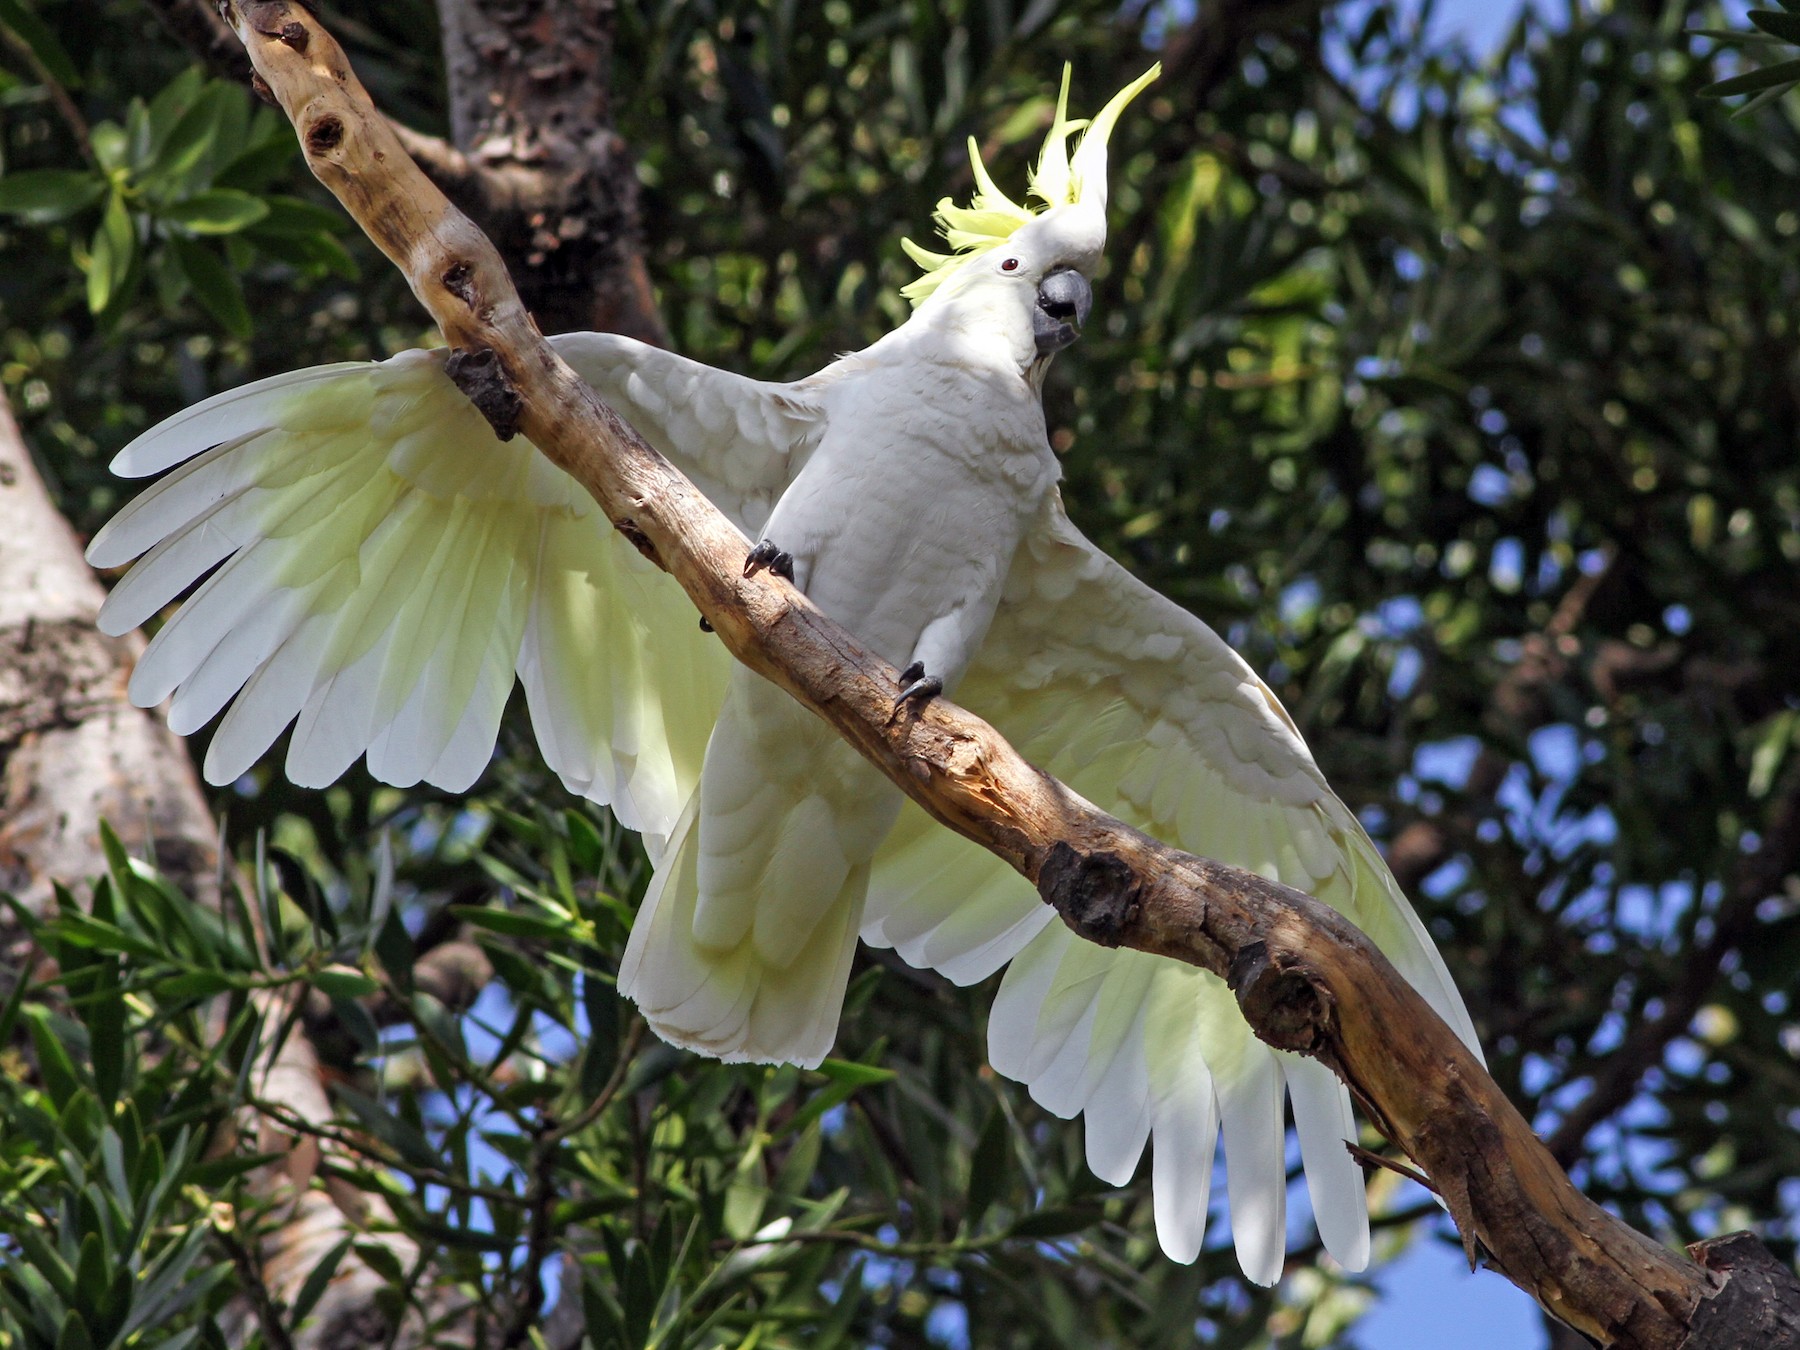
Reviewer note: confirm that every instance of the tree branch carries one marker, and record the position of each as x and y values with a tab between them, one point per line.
1306	979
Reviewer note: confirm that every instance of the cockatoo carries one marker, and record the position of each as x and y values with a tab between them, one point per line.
381	567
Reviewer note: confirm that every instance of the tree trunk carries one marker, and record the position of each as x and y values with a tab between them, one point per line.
73	751
546	175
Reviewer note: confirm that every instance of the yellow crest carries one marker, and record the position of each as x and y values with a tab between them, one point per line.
991	217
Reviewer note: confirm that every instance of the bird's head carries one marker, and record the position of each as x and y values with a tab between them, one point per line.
1021	273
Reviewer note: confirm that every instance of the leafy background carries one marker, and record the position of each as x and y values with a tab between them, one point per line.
1456	381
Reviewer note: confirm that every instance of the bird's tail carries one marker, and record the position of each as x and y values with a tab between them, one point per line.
735	1000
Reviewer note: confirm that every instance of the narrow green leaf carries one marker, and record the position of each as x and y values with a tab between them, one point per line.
1730	35
600	1311
90	1271
587	850
104	1015
9	1012
988	1167
43	196
512	923
61	1081
181	148
193	984
316	1281
83	930
406	1141
1777	23
36	34
1782	73
343	982
215	211
214	285
211	1176
850	1073
74	1333
1057	1222
110	255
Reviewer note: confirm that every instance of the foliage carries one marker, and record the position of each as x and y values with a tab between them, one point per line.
1460	393
1770	80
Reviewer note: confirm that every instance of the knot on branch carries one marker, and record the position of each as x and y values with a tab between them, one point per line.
1758	1301
635	536
1096	893
324	135
1281	1000
486	384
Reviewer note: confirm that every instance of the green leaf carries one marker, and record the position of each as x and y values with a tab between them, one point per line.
294	217
43	196
182	147
214	286
853	1075
216	211
1058	1222
84	930
512	923
602	1315
847	1078
1776	22
90	1271
9	1012
1771	750
988	1167
193	984
587	850
1730	35
74	1333
210	1176
61	1080
260	165
35	34
111	254
343	982
316	1281
1783	73
104	1014
406	1141
174	99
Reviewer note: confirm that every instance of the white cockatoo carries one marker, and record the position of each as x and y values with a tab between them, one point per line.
381	567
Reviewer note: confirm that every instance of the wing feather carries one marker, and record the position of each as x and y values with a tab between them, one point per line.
1144	710
381	566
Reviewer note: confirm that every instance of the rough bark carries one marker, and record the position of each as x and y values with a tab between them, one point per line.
73	751
537	162
1306	979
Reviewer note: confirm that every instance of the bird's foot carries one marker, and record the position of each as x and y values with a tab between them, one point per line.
765	554
916	685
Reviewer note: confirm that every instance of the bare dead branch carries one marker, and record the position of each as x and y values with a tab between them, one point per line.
1307	980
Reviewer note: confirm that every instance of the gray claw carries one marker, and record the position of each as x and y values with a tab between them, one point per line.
916	684
766	554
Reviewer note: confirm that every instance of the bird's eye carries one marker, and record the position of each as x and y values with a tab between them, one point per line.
1010	265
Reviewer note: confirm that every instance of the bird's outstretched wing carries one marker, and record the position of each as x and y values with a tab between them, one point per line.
1144	710
382	566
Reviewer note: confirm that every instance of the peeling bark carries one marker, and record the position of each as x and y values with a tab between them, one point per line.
1306	978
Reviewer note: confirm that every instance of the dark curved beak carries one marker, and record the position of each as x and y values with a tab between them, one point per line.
1063	301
